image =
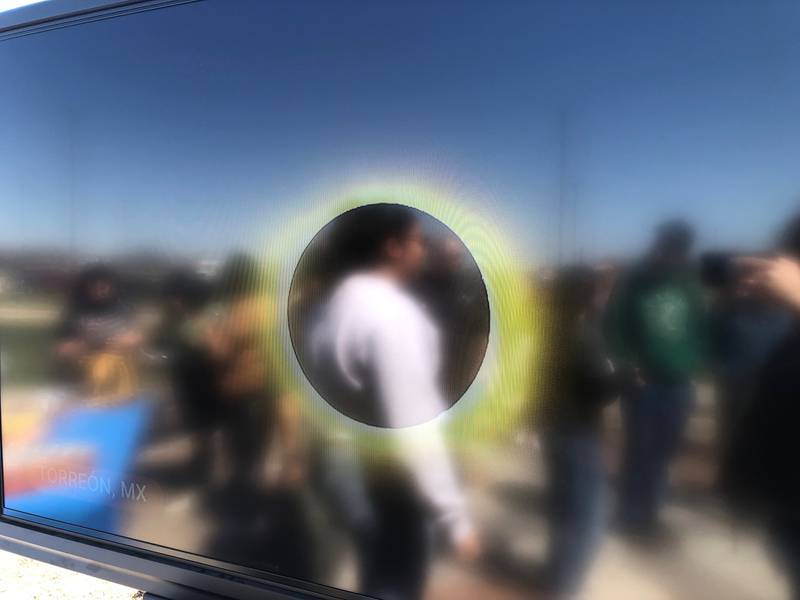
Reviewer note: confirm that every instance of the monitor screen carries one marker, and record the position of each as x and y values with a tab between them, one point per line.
412	300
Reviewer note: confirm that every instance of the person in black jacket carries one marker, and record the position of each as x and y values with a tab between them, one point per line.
192	372
760	474
582	382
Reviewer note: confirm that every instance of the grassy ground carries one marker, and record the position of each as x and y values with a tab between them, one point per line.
25	350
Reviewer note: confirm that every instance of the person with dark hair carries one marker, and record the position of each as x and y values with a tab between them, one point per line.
759	474
360	236
582	381
789	238
657	326
239	278
97	337
259	518
452	289
744	329
253	409
376	357
380	251
191	367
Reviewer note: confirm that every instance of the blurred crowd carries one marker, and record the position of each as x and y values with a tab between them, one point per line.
645	335
399	332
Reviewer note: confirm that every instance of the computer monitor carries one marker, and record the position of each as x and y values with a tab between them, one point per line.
396	300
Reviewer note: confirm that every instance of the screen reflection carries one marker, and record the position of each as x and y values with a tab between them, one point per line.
422	301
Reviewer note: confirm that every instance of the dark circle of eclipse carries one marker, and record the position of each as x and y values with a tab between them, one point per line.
455	297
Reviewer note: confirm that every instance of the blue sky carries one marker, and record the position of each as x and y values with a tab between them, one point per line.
188	127
12	4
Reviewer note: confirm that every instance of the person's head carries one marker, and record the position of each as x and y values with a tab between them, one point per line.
789	239
239	277
185	293
97	287
574	292
673	243
450	252
382	236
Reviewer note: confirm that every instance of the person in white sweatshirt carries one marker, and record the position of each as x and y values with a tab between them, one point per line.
376	358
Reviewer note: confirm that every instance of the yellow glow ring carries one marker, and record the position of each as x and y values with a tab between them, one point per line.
503	392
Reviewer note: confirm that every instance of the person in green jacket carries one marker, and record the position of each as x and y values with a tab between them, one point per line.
657	327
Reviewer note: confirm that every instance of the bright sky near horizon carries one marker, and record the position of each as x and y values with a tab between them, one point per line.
189	126
12	4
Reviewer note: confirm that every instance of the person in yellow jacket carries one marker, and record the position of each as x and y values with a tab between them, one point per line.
255	413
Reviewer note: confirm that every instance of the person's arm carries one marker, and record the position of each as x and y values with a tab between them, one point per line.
70	349
236	343
701	326
406	368
289	438
617	322
618	328
217	340
69	345
778	278
130	339
598	380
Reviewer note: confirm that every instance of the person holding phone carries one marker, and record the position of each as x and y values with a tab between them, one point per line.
760	477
